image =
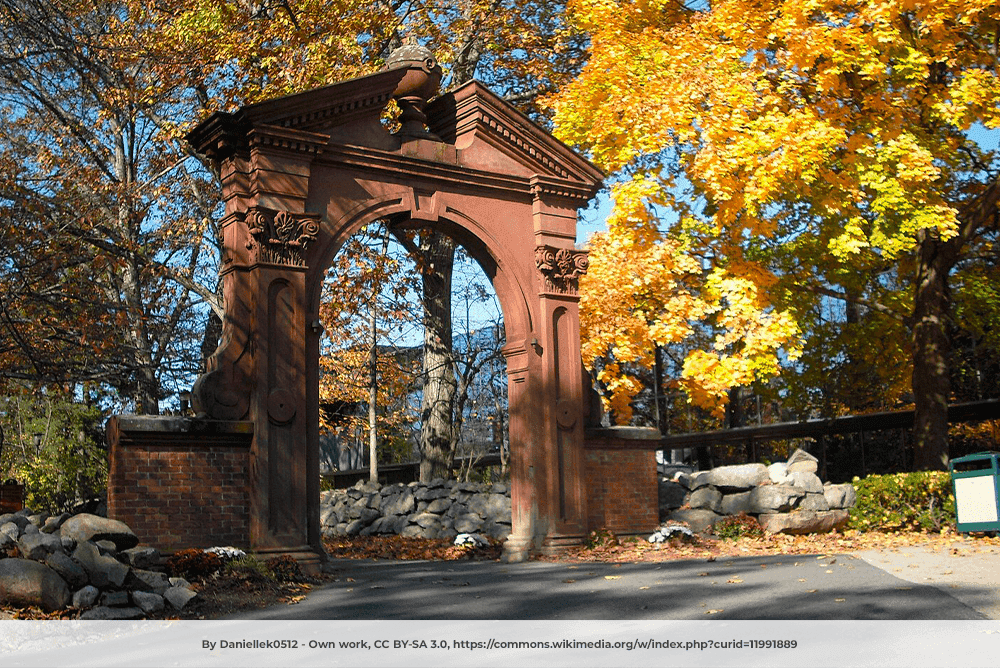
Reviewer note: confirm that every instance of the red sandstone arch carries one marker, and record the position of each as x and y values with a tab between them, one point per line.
300	174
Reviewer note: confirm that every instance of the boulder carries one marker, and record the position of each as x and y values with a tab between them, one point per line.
778	473
803	521
802	461
86	597
6	542
707	498
734	504
179	596
806	481
426	520
404	503
840	496
37	546
25	583
414	531
54	523
814	502
68	570
148	602
105	613
142	557
86	527
150	581
11	530
102	570
699	520
115	599
774	498
468	523
671	494
438	506
741	476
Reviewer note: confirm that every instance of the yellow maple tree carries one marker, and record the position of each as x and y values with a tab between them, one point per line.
845	123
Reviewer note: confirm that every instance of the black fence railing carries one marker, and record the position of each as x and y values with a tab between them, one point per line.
824	430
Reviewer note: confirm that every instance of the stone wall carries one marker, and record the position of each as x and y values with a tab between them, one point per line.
785	497
86	562
439	509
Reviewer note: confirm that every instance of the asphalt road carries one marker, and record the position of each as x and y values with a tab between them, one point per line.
800	587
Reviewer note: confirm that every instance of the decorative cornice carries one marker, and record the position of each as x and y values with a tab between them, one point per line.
561	268
329	106
280	238
543	187
272	136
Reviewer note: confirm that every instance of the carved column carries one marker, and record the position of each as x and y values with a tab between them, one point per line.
559	270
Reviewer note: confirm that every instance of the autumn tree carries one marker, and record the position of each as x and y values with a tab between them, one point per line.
829	143
103	269
369	315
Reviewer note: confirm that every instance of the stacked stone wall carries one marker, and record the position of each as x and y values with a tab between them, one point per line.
785	497
438	509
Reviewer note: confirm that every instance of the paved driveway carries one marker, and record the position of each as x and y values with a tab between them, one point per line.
804	587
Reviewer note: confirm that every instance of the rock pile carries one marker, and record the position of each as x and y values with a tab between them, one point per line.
82	561
438	509
785	497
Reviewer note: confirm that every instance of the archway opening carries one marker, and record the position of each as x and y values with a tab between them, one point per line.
399	385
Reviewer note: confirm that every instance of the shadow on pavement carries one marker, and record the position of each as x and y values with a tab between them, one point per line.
801	587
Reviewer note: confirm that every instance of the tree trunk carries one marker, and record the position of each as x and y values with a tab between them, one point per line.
931	381
437	446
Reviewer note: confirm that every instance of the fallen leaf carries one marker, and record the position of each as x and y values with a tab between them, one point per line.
612	577
643	587
840	600
713	612
701	575
569	581
734	581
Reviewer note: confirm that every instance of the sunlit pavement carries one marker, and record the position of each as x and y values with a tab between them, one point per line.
804	587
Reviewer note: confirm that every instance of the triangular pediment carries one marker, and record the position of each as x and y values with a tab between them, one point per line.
473	112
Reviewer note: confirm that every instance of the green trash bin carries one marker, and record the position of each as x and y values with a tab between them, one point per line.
976	482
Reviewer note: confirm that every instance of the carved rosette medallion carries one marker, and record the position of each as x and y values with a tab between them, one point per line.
561	268
281	238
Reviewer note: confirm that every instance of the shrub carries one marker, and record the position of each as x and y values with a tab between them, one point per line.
738	526
193	564
250	569
916	501
55	447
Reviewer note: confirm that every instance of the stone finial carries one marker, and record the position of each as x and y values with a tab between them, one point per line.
418	85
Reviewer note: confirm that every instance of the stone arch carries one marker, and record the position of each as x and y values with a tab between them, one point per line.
475	238
300	174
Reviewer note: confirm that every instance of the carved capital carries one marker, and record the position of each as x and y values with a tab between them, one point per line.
280	238
561	268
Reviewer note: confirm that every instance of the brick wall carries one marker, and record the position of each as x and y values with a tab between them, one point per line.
622	493
11	498
179	488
